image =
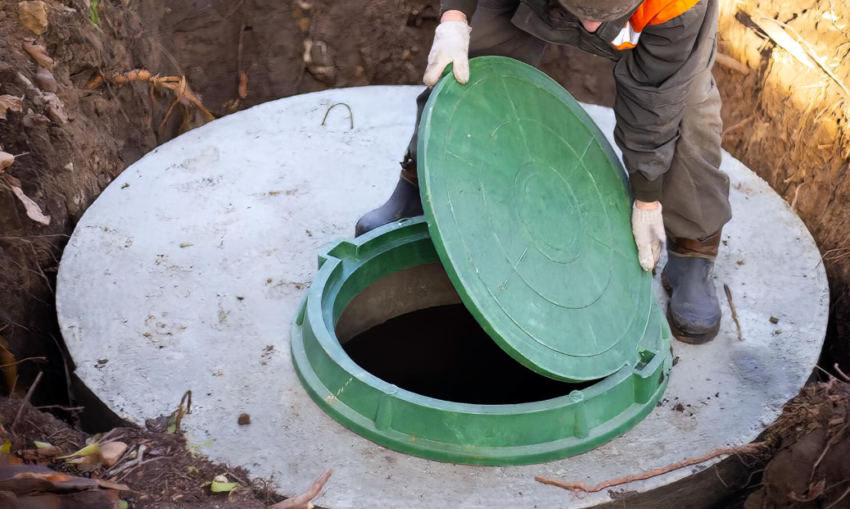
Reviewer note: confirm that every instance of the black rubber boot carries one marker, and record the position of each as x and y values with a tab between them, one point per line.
404	203
694	311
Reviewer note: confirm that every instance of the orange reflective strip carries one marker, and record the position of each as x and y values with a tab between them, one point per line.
625	45
655	12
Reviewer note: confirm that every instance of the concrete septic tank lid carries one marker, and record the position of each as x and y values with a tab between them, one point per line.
188	270
528	207
445	430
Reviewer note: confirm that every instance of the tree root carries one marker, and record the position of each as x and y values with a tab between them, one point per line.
302	501
580	487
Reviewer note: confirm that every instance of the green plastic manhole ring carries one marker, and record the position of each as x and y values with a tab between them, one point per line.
529	209
447	431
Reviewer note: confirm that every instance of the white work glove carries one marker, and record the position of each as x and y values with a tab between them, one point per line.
451	45
648	228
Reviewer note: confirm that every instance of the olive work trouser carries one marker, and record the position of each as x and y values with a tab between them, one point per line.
695	196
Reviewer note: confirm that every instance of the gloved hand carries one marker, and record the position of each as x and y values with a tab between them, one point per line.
648	228
451	45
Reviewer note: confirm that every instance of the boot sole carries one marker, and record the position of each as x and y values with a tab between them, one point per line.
679	334
689	338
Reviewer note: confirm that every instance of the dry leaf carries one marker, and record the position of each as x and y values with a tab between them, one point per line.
46	80
39	54
9	102
109	485
33	210
33	16
6	160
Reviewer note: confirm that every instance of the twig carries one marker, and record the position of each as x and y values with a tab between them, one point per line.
350	114
64	365
37	359
736	125
187	398
231	474
577	487
796	193
826	448
843	374
26	401
60	407
243	77
734	311
118	467
717	473
139	465
301	501
750	478
138	461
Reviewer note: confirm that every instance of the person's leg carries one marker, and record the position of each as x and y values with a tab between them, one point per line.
696	206
492	34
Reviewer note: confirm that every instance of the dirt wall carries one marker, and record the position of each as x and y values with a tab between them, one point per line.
790	123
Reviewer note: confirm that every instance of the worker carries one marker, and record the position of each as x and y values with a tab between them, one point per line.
667	108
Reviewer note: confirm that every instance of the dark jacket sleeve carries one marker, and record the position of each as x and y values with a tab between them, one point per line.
465	6
653	83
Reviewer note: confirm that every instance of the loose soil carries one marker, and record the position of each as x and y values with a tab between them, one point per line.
177	477
787	121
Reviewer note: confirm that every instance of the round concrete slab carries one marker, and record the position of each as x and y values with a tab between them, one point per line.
187	272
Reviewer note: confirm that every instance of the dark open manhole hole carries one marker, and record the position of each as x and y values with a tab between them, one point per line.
443	353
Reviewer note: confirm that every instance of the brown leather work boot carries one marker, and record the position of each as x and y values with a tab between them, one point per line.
693	311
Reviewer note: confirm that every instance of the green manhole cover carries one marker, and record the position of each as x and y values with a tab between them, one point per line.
512	434
528	211
528	208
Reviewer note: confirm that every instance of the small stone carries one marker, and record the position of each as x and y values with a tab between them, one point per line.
33	16
112	452
774	320
35	120
6	160
777	332
46	80
244	420
69	167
